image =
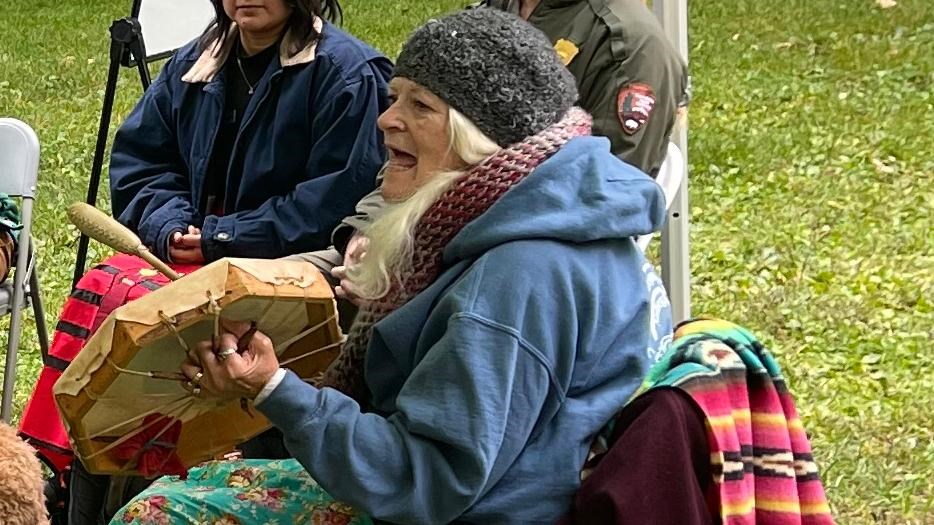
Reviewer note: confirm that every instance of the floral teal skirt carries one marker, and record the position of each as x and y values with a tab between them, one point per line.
239	492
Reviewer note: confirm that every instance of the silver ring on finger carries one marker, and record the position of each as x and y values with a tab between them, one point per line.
196	391
225	353
196	380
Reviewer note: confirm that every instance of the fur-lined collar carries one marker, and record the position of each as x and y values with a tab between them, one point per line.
209	63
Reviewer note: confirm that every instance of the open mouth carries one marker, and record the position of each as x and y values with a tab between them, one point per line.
401	159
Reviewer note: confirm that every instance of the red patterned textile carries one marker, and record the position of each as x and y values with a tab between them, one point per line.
113	283
153	450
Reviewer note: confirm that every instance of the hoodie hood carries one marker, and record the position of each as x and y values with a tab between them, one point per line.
582	193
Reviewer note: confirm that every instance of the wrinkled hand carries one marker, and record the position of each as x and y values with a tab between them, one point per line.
185	248
239	375
356	250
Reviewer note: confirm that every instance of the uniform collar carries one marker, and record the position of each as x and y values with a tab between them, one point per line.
512	6
214	56
551	4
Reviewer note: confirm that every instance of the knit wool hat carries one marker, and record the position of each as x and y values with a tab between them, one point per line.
493	67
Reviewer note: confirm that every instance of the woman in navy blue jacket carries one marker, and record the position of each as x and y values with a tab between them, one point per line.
256	139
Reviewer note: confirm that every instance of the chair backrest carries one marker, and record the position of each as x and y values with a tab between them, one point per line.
670	176
671	173
19	158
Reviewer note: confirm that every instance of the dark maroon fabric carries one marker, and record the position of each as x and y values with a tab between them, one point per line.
656	471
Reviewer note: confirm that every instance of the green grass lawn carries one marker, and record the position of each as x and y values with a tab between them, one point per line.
811	156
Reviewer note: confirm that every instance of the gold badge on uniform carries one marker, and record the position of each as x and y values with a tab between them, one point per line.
566	50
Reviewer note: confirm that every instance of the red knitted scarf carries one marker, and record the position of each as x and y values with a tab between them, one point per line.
468	198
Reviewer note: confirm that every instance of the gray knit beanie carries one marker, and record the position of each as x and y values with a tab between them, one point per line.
493	67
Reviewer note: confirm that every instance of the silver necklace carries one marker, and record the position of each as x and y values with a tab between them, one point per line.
243	74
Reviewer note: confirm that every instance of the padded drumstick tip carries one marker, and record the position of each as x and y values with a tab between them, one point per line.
106	230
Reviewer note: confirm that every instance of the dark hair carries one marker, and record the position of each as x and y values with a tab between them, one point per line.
300	22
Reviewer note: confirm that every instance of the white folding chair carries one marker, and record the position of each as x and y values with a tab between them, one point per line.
19	171
670	176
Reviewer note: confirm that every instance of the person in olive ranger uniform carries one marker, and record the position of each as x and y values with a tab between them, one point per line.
630	77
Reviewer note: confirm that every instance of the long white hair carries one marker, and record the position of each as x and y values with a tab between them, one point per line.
391	236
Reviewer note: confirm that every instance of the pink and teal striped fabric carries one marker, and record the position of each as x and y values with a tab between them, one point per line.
764	472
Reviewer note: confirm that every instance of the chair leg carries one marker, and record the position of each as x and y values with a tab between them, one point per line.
16	315
9	371
41	329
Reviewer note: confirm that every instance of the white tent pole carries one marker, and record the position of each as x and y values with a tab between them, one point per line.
676	261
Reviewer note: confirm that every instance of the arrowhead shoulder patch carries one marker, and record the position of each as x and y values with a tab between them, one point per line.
634	105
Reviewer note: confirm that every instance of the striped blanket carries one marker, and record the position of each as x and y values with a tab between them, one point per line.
761	459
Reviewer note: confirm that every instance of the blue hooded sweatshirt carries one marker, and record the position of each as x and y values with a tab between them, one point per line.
490	385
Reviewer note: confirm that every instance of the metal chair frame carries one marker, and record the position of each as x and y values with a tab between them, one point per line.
19	172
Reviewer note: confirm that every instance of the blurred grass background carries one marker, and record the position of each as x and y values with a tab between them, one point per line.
811	157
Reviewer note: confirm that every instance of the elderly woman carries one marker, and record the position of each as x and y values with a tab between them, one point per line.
508	312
